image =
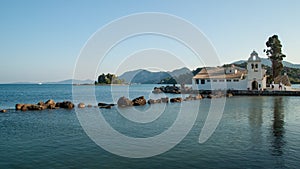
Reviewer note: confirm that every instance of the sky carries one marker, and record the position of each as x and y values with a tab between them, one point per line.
42	40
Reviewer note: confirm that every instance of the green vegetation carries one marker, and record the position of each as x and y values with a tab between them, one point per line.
108	79
273	51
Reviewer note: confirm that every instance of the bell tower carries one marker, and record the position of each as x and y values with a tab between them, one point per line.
255	73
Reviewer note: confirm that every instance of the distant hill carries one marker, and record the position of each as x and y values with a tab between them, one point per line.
72	81
267	62
148	77
68	81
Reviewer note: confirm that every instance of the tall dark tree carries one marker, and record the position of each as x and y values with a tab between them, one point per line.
274	53
102	79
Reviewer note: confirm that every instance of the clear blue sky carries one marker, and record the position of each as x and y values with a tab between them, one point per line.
40	40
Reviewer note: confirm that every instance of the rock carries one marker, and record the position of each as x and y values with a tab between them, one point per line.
105	107
176	100
65	105
3	111
152	101
139	101
26	107
124	102
48	102
229	94
156	90
191	97
210	96
19	106
165	100
51	106
168	89
81	105
42	107
41	103
105	104
198	97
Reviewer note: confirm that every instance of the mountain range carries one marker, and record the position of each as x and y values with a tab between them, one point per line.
148	77
267	62
143	76
68	81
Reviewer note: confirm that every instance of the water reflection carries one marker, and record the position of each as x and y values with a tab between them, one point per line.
278	131
255	120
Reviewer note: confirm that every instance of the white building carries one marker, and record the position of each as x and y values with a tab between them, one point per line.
233	78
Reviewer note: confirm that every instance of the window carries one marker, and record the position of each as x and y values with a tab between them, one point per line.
202	81
214	80
252	66
228	80
207	80
222	80
197	81
256	66
235	80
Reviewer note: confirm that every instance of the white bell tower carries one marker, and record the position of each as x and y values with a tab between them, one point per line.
255	72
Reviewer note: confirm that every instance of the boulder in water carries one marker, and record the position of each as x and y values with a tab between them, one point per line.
81	105
152	101
176	100
124	102
19	106
65	105
3	111
139	101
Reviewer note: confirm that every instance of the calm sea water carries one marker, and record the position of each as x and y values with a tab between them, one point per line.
254	132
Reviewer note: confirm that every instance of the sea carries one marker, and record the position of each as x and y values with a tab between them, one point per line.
239	132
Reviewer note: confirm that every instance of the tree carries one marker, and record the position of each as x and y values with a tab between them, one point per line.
102	79
109	79
274	53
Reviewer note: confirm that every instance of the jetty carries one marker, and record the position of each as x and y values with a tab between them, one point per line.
267	92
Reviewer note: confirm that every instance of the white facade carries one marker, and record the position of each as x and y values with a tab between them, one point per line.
233	78
256	74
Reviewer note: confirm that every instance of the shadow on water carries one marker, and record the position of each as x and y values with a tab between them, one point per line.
278	131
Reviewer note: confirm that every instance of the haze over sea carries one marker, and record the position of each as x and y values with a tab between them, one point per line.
254	132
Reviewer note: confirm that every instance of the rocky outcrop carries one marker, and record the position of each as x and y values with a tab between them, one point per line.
176	100
105	107
167	89
105	104
19	106
152	101
229	94
139	101
196	97
26	107
124	102
65	105
157	90
50	104
3	111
